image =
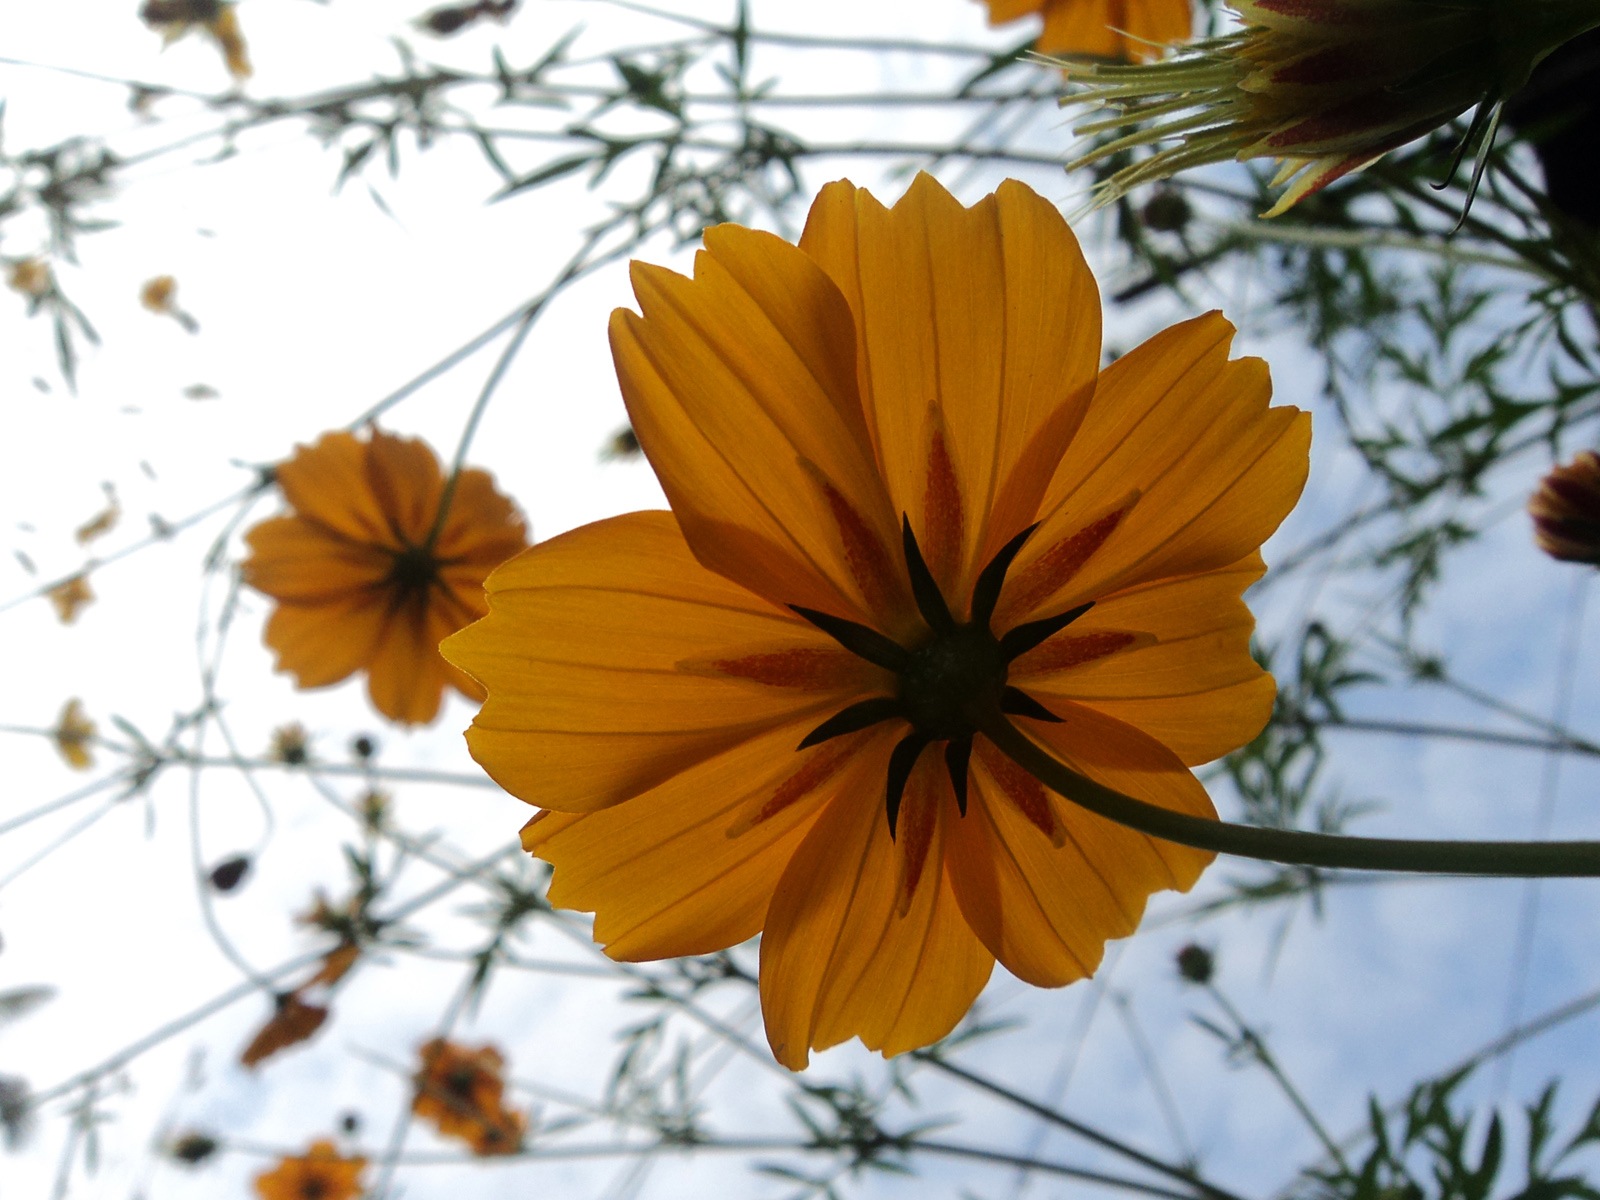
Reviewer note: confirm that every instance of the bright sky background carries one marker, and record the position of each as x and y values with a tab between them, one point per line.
311	307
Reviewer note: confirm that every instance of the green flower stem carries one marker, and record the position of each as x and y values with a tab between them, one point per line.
1512	859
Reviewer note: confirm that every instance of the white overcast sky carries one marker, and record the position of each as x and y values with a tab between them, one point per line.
311	307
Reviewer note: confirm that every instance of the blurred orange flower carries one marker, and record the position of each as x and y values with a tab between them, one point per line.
74	732
70	596
174	18
293	1021
897	477
1566	511
461	1092
322	1173
29	276
1116	29
364	581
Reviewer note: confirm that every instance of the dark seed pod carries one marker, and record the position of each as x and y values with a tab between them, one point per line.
1196	964
230	872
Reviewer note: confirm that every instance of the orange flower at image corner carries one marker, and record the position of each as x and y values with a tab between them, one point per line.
321	1173
1114	29
361	579
676	688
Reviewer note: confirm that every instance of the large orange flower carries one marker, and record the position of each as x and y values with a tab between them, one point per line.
903	494
1116	29
321	1173
363	581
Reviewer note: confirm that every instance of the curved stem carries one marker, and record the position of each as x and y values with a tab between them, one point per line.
1514	859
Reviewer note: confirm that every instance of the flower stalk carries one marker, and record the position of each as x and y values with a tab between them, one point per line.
1525	860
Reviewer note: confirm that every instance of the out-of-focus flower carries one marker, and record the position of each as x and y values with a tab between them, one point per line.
1566	511
73	734
906	501
1110	29
30	276
321	1173
461	1092
218	18
367	575
453	18
1326	87
293	1021
291	745
103	522
70	596
160	296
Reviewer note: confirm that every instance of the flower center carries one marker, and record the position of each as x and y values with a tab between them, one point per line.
947	684
951	678
414	570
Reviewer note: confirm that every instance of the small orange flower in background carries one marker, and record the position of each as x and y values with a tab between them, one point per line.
461	1093
1566	511
160	296
74	731
903	493
70	596
362	579
322	1173
293	1021
1114	29
29	277
172	19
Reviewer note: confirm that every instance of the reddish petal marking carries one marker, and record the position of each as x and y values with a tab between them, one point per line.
812	774
919	813
1056	566
1027	794
1072	650
1336	64
869	562
1321	12
805	668
941	513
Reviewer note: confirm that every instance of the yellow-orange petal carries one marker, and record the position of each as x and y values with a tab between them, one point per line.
1123	29
1216	467
327	483
594	656
405	480
980	336
838	959
1045	911
321	644
483	528
406	675
298	560
1188	678
740	384
689	866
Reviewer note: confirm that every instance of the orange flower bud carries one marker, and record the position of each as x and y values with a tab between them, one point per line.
1566	511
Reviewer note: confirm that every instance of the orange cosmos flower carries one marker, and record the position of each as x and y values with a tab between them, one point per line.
362	579
903	494
1115	29
322	1173
462	1093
